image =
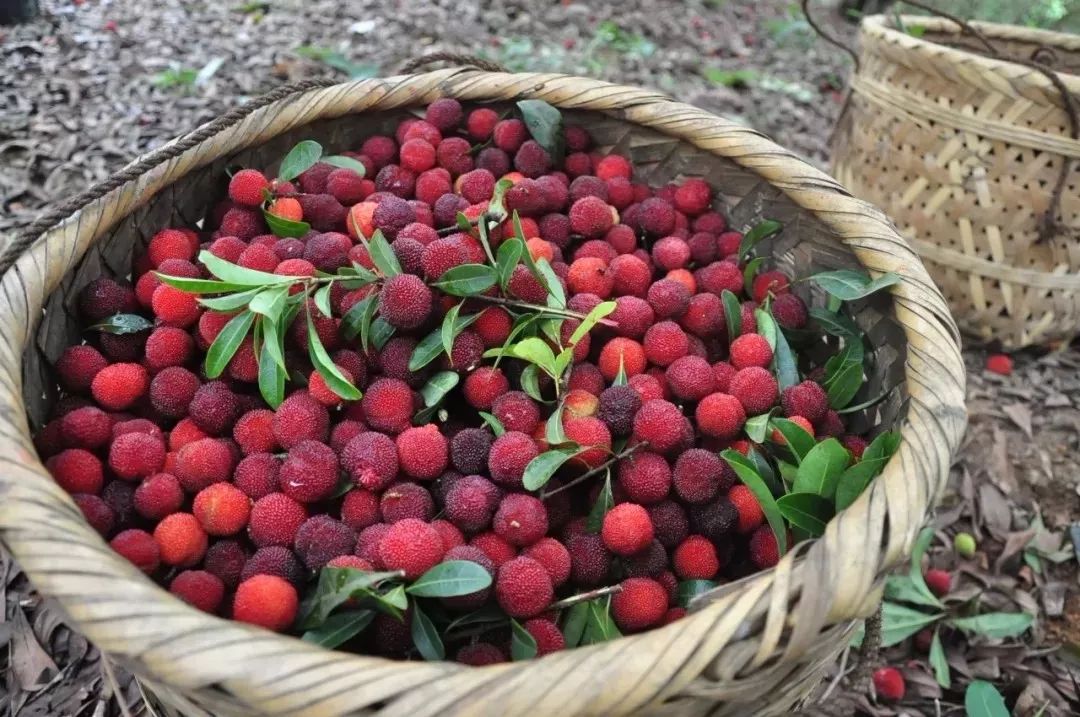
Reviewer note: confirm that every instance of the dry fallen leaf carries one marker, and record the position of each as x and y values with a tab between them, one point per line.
31	664
1020	415
994	510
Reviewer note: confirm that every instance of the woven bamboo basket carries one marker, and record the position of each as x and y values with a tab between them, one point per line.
963	152
754	646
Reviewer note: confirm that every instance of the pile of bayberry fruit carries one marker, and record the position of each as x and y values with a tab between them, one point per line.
468	391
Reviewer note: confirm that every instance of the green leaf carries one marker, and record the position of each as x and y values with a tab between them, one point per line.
467	280
233	274
300	158
995	625
522	643
282	227
433	392
553	429
766	326
381	331
270	302
535	351
883	447
382	255
577	617
797	440
854	480
835	324
939	662
563	360
809	511
338	160
199	286
452	326
426	637
744	468
690	589
271	373
544	123
339	629
757	427
322	299
488	615
750	272
765	470
732	314
227	342
357	320
337	586
787	373
848	285
463	223
123	324
604	502
393	602
273	341
820	469
556	295
493	423
530	382
981	699
899	622
762	230
540	469
903	589
865	404
451	578
600	627
509	256
485	240
845	384
599	312
331	374
231	302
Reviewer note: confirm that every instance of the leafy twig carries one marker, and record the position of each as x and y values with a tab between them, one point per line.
599	469
584	597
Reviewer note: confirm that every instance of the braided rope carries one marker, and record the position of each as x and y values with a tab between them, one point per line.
58	212
455	58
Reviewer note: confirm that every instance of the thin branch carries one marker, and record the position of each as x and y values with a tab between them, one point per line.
599	469
583	597
826	36
560	313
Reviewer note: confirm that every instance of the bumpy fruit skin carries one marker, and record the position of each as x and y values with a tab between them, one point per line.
136	455
199	589
590	560
96	512
257	475
510	453
309	472
202	462
627	529
139	547
226	559
554	556
547	635
388	405
750	350
698	476
516	411
254	432
665	342
593	436
659	423
999	364
790	311
764	552
321	538
78	366
221	509
411	545
807	399
523	588
750	513
621	352
406	500
213	407
720	415
247	187
119	385
640	604
469	450
756	389
889	684
267	601
77	471
480	654
172	390
521	519
695	559
691	378
645	477
181	540
471	503
423	452
274	520
405	301
371	459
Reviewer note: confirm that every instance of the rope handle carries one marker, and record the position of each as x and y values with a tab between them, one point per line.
455	58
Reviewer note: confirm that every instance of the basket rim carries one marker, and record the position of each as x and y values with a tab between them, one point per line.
930	430
876	29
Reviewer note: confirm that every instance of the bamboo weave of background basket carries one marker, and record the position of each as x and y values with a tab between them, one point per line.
755	646
963	152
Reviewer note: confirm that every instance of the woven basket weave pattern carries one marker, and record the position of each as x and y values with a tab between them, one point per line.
963	153
756	645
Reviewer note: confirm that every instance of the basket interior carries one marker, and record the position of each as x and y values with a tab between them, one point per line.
803	248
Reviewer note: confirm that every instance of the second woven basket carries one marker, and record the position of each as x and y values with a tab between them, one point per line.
963	152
